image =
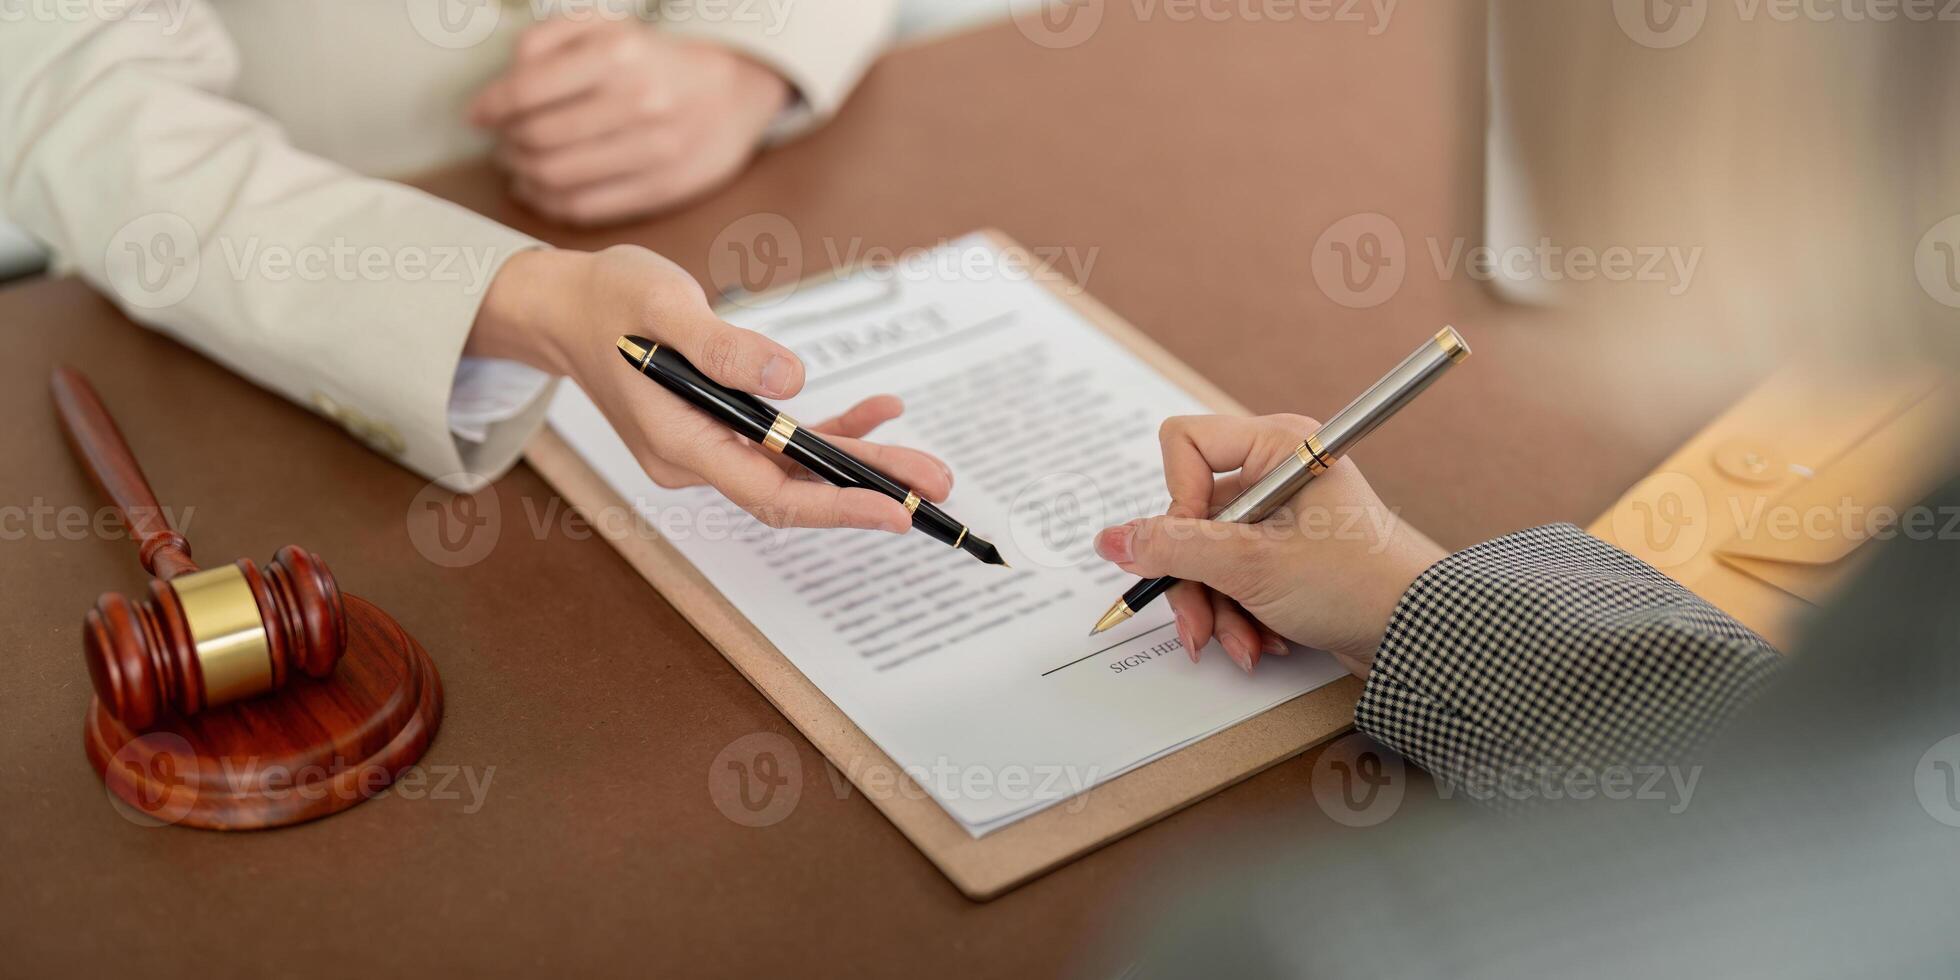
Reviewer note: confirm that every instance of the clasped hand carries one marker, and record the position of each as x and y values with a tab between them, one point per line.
598	120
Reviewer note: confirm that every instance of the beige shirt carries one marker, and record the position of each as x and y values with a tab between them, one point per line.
214	167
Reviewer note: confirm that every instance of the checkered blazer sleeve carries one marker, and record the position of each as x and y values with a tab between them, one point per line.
1549	649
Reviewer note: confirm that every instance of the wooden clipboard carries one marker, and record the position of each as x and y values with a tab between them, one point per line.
983	867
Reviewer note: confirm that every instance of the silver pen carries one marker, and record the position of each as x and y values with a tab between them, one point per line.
1328	443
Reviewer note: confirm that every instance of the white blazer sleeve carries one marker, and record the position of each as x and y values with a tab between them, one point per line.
348	294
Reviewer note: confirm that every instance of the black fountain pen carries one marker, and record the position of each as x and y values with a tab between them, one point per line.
755	420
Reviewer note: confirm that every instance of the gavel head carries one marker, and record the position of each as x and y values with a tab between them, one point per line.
211	637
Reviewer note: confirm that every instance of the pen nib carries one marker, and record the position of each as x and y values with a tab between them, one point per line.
1116	614
983	550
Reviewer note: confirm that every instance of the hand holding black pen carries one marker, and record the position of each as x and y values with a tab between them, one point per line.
759	422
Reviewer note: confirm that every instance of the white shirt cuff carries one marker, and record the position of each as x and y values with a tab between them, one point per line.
490	390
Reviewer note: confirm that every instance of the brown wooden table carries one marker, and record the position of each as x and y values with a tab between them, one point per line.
1201	161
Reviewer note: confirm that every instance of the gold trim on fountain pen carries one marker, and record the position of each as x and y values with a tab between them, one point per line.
1116	614
781	432
640	355
777	432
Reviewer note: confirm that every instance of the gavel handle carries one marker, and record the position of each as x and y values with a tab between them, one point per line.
93	435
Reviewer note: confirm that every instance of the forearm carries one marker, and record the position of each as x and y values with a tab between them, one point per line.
350	295
1547	650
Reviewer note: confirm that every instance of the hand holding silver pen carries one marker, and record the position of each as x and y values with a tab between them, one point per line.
1272	457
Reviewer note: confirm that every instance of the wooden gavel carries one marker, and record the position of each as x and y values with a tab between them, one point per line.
201	638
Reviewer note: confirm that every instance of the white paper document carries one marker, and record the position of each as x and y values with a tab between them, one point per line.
981	683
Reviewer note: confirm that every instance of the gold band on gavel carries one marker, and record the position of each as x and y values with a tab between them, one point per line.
227	632
780	432
1314	454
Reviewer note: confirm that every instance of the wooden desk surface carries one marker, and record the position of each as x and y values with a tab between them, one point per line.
1200	161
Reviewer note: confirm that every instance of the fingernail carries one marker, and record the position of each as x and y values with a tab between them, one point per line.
943	468
1113	544
1184	638
776	376
1275	646
1235	647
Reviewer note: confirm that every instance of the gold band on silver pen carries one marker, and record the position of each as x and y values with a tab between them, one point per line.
1314	455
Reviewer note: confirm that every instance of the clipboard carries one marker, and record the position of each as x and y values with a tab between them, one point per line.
981	868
